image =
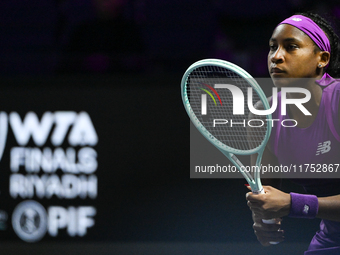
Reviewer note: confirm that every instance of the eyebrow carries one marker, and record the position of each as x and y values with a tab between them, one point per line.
285	40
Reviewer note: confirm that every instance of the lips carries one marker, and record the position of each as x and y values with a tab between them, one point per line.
276	70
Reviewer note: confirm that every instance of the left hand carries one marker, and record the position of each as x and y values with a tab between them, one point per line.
272	204
268	234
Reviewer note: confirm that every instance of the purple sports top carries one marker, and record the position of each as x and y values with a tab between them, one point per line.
316	144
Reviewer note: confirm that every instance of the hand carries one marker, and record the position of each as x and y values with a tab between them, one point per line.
267	234
272	204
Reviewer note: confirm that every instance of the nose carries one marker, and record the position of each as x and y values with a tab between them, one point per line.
277	56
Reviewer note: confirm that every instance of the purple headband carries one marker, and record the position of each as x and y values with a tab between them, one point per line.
311	29
315	33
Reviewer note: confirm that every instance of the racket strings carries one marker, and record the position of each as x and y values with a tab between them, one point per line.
239	131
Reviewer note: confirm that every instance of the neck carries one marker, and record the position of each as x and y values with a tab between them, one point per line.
312	105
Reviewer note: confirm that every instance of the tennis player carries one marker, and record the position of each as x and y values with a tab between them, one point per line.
304	46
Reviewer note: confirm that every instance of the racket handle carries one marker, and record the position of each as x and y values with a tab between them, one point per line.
269	221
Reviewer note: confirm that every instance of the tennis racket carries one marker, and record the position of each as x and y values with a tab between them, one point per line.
211	92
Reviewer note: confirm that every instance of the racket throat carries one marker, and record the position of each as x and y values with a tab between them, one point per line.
242	168
255	186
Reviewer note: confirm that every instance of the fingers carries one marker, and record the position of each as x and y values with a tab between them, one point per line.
256	198
264	206
254	205
267	241
257	218
271	204
256	208
266	189
250	196
268	234
266	227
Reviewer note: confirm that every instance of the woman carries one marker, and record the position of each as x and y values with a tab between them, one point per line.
304	46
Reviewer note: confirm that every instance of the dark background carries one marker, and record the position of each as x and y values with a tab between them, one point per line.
123	63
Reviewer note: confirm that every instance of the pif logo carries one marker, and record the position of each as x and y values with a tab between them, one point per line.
238	99
31	221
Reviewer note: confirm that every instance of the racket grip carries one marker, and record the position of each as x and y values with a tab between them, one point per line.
269	221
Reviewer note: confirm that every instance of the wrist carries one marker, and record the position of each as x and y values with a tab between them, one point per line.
303	206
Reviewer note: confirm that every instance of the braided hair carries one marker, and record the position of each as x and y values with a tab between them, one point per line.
333	68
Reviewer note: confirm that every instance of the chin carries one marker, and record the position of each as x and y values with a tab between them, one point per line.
281	82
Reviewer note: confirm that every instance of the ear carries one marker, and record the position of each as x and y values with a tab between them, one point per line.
324	57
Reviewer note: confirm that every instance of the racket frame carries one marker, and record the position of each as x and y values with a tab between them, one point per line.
229	152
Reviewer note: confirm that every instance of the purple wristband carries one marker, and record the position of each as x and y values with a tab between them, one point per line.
303	206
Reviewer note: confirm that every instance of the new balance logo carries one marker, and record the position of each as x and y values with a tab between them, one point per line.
323	148
306	209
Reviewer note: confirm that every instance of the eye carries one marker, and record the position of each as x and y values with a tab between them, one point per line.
272	47
292	47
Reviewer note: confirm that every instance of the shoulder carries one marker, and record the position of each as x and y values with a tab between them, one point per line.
332	101
260	106
334	90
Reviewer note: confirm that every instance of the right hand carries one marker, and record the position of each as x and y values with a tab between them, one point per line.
267	233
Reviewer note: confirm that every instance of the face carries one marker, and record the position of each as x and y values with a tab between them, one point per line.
291	55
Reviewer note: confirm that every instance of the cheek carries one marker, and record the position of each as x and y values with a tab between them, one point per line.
268	59
309	58
310	64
